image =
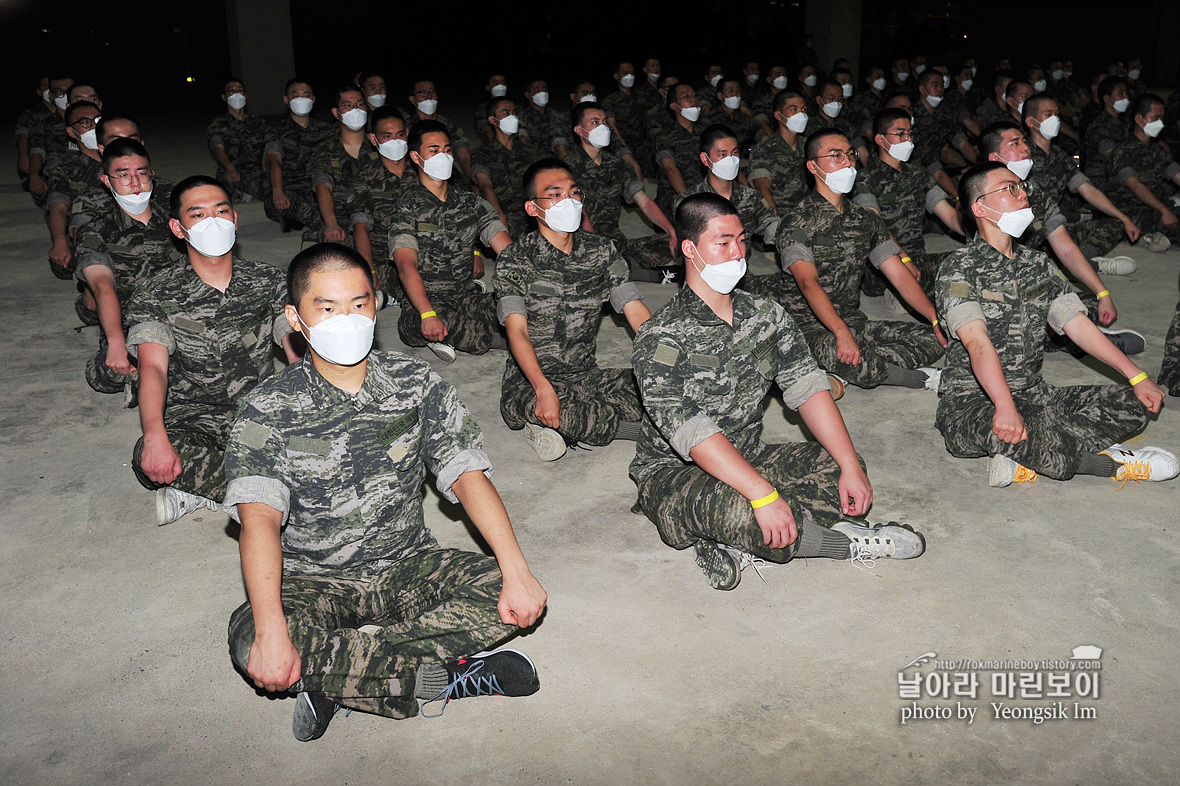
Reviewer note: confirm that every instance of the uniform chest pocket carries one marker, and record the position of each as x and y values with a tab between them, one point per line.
709	379
998	303
544	290
400	441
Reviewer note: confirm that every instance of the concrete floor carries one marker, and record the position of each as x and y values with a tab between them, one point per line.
116	667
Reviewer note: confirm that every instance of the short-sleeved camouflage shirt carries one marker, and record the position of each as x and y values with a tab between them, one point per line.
243	141
454	130
333	165
134	251
606	187
73	177
1102	135
505	167
384	189
1150	162
545	129
1057	174
629	115
901	197
757	217
775	160
347	470
298	147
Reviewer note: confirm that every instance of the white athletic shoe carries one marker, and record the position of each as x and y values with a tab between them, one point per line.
550	445
480	285
1145	463
1003	471
933	377
445	352
172	503
1156	241
1115	266
882	540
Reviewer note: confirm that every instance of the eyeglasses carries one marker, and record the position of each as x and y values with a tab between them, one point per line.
575	193
126	178
1014	188
900	134
426	93
86	123
839	157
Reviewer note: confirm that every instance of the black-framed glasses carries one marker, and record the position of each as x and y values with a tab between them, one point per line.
840	157
85	123
900	134
1014	188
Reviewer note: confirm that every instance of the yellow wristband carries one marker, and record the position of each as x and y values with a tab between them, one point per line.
429	314
1102	294
761	503
906	259
1135	380
934	323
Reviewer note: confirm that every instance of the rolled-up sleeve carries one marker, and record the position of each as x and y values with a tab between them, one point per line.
1064	309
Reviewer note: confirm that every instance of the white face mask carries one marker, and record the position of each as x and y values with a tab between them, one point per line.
376	100
627	80
733	102
1050	126
654	77
343	340
713	80
902	150
918	69
1040	85
974	70
563	216
213	236
439	166
46	97
752	78
690	113
499	91
1020	168
723	277
541	99
588	98
810	81
1013	224
1153	128
1121	105
599	136
726	168
903	75
847	90
1066	74
133	204
428	106
393	149
934	101
832	108
510	124
946	81
967	85
236	100
780	83
1058	75
355	119
1020	108
840	181
301	107
1133	74
879	84
797	122
90	139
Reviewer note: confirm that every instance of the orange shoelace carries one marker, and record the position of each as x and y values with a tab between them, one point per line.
1024	475
1133	470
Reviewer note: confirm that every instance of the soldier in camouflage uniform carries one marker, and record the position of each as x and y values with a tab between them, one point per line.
626	114
546	130
338	454
902	194
203	330
551	286
340	191
939	130
424	106
830	99
236	140
48	143
68	181
777	162
497	87
291	143
28	123
996	297
432	239
823	246
1143	175
763	106
498	166
116	252
1056	173
719	153
704	364
865	105
385	180
678	147
1106	131
733	112
607	183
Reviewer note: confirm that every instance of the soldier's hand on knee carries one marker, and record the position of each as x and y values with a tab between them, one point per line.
1168	218
232	175
159	460
777	524
274	665
1150	395
847	350
280	199
38	185
856	492
522	601
433	329
1009	427
119	361
60	254
548	409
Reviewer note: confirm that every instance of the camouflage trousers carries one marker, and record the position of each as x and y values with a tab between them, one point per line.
874	283
1096	237
882	344
199	436
648	253
1063	425
99	375
1170	371
592	404
687	504
520	223
252	184
303	209
1149	221
431	607
470	318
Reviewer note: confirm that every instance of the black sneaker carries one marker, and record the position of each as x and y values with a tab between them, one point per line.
313	713
721	565
1130	342
504	672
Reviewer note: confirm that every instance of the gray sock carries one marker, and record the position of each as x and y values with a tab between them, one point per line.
499	341
817	541
432	680
1094	464
629	429
904	377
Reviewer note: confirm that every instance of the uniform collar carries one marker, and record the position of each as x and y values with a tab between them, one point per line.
378	384
743	306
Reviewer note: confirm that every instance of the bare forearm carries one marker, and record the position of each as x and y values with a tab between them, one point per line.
153	386
821	305
1086	335
323	198
524	353
57	217
824	420
274	163
222	158
763	186
1074	260
406	262
483	504
1100	201
717	456
636	313
261	552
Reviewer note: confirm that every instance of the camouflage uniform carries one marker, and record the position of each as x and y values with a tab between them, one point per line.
605	188
454	130
346	472
1015	298
630	116
1153	165
1058	175
683	148
902	198
989	113
763	107
774	160
243	141
444	235
545	129
1102	135
933	131
220	345
1170	370
385	189
133	252
863	107
740	122
297	146
67	183
698	377
757	217
94	199
29	124
505	167
819	121
50	141
350	194
838	245
561	298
